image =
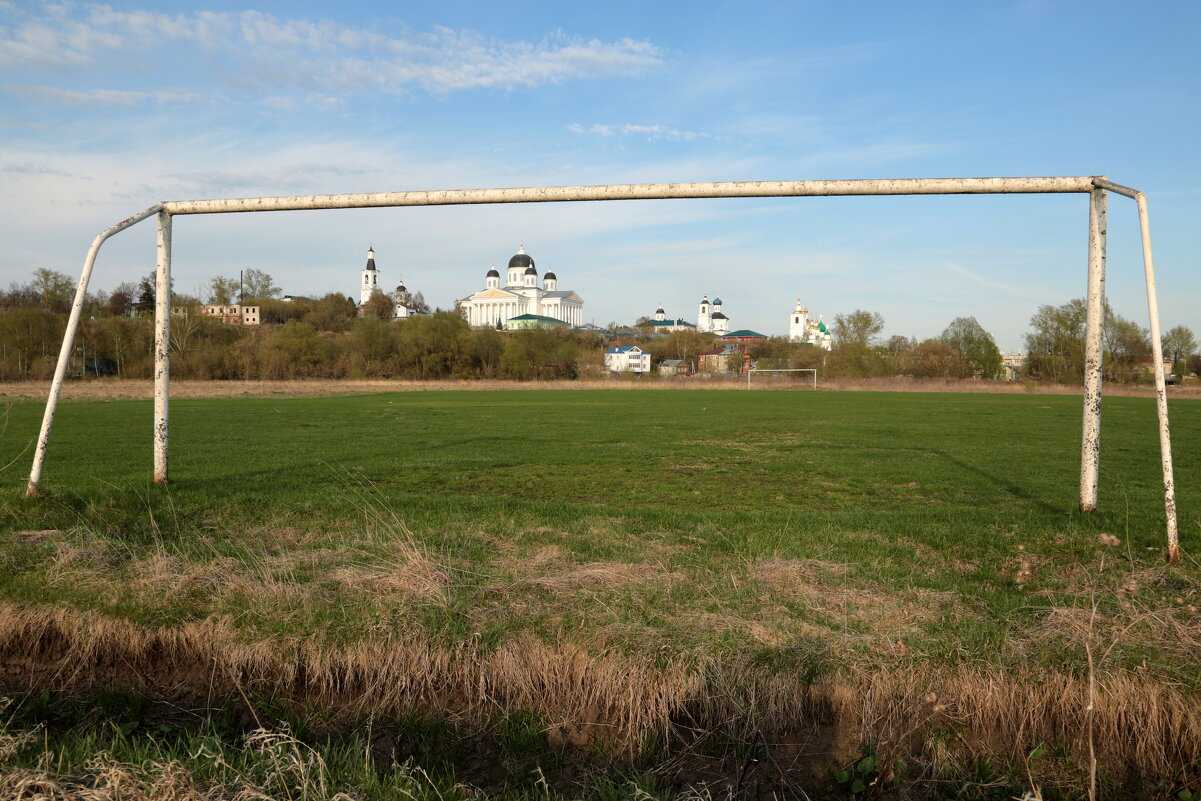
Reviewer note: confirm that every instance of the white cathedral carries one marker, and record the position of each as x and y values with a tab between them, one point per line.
495	305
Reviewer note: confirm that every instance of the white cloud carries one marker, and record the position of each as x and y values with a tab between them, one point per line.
310	55
108	97
652	133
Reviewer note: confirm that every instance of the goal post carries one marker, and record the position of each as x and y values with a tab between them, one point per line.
782	370
1096	187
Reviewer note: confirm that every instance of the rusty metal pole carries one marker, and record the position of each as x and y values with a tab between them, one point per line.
162	345
1090	445
64	353
1161	390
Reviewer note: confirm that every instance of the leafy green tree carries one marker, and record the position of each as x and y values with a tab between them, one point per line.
478	353
55	290
1178	345
854	353
934	358
301	347
280	311
857	328
426	344
378	307
222	291
122	299
373	341
538	354
898	344
976	347
258	285
29	341
1055	346
146	293
334	312
1127	348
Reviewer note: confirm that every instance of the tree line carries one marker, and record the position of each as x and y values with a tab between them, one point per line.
326	338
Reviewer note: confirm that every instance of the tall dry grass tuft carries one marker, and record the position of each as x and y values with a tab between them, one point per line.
937	720
269	765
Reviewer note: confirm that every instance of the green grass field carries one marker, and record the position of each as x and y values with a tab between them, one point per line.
792	535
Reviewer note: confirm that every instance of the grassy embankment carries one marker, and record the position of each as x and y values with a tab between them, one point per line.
685	580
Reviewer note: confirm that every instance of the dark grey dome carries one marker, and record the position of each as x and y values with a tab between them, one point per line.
401	288
717	301
528	270
493	273
660	310
551	276
521	260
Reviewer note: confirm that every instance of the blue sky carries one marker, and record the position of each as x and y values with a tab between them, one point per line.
106	109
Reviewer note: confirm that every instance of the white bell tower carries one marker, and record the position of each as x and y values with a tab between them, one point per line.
798	323
703	323
370	281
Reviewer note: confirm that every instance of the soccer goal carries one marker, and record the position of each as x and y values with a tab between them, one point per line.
786	370
1096	187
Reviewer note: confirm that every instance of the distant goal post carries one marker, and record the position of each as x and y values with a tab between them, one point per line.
781	370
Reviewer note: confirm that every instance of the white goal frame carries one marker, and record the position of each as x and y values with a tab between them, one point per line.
781	370
1096	187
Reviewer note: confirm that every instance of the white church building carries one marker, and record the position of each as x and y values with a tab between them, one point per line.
709	317
495	305
402	304
803	328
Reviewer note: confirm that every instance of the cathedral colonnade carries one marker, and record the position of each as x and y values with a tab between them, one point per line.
523	292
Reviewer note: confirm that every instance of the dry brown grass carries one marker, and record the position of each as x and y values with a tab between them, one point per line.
279	766
413	575
823	588
938	719
599	575
122	389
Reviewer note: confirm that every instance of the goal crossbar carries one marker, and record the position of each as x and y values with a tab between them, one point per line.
1097	187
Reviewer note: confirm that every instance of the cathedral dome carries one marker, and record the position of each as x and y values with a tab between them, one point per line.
401	288
520	259
551	276
492	273
660	310
528	270
717	301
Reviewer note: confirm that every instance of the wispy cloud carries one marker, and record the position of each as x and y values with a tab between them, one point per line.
963	272
314	55
107	97
651	133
